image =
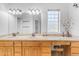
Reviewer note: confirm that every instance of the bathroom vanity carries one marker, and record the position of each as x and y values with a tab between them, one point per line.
39	46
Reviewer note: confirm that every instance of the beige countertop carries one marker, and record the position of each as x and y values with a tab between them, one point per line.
48	38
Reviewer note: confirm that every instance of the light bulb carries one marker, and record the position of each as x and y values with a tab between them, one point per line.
10	11
20	12
29	11
33	11
17	11
14	11
37	11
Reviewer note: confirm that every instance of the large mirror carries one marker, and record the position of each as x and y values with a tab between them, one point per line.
26	22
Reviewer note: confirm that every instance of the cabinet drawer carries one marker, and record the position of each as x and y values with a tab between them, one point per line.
74	50
45	44
74	54
61	43
6	43
17	43
74	44
30	43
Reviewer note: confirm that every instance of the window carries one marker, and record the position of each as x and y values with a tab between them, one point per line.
53	21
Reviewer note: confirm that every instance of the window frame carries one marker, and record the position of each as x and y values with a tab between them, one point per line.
58	21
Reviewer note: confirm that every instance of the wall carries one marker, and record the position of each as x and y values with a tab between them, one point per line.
74	16
3	20
67	12
44	8
12	23
4	17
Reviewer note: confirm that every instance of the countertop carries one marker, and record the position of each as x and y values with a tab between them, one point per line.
48	38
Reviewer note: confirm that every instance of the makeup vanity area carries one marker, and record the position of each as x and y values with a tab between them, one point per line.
39	46
35	45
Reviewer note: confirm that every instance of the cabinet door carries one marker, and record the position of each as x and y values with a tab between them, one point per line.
75	44
45	48
17	51
31	51
8	51
75	48
75	51
36	51
45	51
2	51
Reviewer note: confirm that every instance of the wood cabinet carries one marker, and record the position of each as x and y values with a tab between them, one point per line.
45	51
45	48
64	47
6	43
8	51
17	48
6	48
17	51
75	48
36	48
31	48
75	54
2	51
61	43
30	43
31	51
25	48
75	44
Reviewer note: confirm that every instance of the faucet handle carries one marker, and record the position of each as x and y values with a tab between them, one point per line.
13	34
33	34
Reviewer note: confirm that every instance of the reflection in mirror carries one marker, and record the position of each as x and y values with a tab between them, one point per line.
26	22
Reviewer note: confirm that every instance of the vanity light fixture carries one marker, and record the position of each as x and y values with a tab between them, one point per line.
15	11
76	5
34	11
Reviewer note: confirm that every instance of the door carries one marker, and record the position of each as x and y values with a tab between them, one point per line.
31	51
2	53
8	51
17	51
46	51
